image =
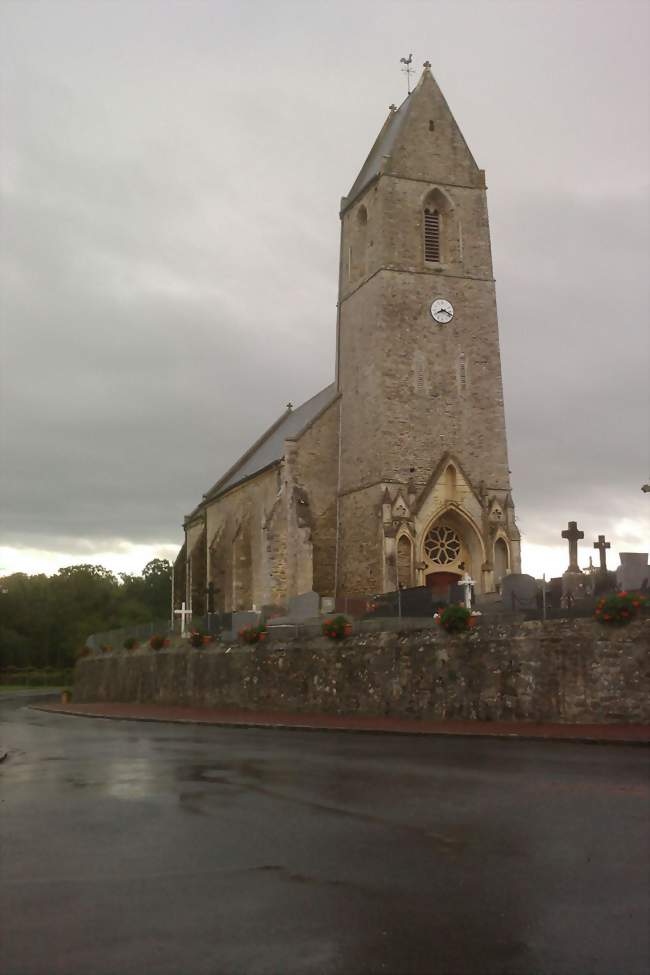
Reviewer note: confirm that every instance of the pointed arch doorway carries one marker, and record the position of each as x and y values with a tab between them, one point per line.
449	547
439	582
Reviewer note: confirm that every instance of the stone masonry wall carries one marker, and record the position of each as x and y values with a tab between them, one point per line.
312	466
573	671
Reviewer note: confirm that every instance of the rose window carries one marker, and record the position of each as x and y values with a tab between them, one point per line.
442	545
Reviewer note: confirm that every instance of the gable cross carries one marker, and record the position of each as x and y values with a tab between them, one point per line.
572	534
602	547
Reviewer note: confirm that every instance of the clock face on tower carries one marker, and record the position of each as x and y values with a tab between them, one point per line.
442	311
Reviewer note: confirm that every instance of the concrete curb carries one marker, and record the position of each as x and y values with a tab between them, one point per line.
350	729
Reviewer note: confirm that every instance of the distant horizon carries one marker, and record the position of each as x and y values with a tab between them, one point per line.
536	559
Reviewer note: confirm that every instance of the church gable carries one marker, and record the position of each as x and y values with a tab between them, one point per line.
448	485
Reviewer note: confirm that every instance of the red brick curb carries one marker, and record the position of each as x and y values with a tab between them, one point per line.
627	734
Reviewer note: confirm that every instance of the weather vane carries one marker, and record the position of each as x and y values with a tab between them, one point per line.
407	70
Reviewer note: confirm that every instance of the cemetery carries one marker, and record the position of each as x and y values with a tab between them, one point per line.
533	652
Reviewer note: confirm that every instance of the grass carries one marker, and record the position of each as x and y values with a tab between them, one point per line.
32	677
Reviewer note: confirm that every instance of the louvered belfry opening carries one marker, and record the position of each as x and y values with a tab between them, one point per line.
431	235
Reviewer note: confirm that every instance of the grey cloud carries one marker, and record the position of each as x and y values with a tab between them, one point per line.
171	180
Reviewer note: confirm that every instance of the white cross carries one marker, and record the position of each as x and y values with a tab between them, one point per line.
466	582
183	613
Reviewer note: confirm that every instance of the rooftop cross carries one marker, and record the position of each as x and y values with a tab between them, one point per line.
602	546
573	534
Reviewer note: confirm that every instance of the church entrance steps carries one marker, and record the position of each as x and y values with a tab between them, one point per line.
622	734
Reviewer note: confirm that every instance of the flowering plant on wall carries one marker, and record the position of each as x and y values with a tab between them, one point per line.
130	643
337	628
620	607
198	639
456	619
157	642
253	634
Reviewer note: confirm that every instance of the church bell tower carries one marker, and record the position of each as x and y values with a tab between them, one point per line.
424	486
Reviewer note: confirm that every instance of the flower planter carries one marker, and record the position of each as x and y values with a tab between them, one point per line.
337	628
253	634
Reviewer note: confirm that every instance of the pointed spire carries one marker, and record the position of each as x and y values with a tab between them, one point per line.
443	157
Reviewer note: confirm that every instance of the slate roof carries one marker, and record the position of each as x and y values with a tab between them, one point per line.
269	449
384	145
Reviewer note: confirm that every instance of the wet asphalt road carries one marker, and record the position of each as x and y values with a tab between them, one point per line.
151	848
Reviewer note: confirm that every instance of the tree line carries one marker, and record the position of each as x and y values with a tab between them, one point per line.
44	620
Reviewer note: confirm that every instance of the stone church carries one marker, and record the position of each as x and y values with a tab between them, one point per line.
396	474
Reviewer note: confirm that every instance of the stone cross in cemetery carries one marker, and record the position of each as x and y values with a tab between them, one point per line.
183	613
573	534
467	582
602	546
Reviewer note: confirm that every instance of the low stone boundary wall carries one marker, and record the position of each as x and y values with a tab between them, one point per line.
574	671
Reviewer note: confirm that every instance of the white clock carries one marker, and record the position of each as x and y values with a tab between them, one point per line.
442	311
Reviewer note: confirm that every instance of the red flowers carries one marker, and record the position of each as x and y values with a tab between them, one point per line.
337	628
253	634
620	607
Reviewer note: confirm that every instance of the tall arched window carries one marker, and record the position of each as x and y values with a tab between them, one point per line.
501	560
431	235
441	241
404	562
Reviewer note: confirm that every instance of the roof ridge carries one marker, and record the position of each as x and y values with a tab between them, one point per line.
275	454
245	456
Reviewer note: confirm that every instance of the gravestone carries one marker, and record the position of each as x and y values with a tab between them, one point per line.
573	580
519	591
242	619
554	593
306	606
605	582
416	601
456	593
633	570
602	545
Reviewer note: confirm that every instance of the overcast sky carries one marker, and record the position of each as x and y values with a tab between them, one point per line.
171	176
